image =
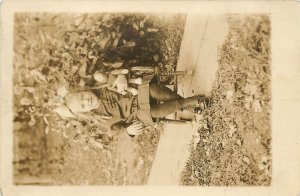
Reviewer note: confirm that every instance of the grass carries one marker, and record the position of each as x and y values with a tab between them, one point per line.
234	148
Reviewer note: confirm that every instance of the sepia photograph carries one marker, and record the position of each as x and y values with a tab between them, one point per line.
149	98
142	98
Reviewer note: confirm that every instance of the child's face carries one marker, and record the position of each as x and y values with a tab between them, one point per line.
84	101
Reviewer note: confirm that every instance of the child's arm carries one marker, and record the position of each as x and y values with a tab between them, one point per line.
116	90
99	86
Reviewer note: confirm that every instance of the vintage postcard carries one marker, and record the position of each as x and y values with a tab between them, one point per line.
150	97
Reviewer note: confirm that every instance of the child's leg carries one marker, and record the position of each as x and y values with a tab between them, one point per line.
164	109
163	93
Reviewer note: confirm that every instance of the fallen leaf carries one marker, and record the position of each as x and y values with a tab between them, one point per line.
82	69
142	24
248	101
113	35
130	44
246	159
82	83
18	90
224	143
32	109
232	130
32	121
135	26
152	30
47	130
65	134
91	56
196	140
264	159
115	42
104	41
68	125
261	167
98	145
205	124
46	120
250	89
257	140
229	94
62	91
86	148
42	36
197	173
155	57
25	101
207	152
257	106
79	20
146	19
142	33
118	64
166	57
38	76
30	89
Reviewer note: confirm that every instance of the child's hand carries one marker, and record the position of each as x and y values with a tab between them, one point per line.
132	90
135	81
121	83
135	128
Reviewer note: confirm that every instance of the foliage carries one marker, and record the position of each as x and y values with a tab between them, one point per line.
233	146
54	50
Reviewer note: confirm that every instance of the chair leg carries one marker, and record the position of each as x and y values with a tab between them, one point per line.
175	89
173	121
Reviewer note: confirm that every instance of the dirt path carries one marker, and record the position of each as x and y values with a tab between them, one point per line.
202	37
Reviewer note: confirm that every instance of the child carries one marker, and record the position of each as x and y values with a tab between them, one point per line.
109	81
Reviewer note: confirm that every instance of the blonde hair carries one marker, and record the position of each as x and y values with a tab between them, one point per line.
85	116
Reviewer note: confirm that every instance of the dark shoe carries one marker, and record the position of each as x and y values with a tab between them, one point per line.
199	110
194	102
203	105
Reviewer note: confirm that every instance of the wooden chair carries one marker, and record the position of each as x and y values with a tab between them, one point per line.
160	74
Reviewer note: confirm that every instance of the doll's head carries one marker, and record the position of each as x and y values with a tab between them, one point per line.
101	77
